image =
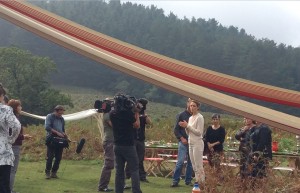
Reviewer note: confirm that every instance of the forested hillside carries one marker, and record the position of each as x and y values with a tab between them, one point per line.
204	43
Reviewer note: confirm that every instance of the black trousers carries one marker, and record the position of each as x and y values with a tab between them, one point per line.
5	178
52	153
140	150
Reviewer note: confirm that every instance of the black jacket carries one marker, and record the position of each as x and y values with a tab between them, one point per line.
179	131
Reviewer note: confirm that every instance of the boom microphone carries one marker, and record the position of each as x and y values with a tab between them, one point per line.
80	145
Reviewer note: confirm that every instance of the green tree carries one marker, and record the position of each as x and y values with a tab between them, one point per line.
25	77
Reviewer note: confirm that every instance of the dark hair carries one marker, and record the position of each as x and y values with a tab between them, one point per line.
14	105
144	102
216	115
2	90
6	99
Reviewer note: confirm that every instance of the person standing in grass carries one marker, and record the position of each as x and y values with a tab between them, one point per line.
7	120
261	144
55	126
125	122
140	137
109	157
17	108
195	129
215	136
243	135
183	148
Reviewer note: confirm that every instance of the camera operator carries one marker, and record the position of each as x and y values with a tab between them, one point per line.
107	143
125	122
139	137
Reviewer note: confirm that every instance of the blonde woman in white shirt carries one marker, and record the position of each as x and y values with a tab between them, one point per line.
194	128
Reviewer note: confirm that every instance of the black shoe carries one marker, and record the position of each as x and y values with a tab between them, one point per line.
53	175
105	190
48	176
174	185
144	180
189	184
126	187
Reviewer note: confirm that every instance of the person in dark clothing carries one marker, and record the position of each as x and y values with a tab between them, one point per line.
215	136
261	149
243	135
125	122
55	126
183	149
140	137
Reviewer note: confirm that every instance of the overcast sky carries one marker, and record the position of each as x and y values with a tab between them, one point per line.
275	20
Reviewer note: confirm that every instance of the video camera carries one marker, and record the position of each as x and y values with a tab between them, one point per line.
125	103
121	102
104	106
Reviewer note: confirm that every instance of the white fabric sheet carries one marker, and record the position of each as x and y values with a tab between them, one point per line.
68	117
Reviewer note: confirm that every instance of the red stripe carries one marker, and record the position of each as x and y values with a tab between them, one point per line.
182	72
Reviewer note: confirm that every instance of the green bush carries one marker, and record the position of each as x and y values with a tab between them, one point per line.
287	144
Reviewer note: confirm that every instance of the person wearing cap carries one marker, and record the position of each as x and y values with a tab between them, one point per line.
55	126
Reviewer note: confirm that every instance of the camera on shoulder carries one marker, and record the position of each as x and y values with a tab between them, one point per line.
124	102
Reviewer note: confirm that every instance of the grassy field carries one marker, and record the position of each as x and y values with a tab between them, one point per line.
82	177
78	177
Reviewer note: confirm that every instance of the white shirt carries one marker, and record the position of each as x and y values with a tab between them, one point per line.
195	129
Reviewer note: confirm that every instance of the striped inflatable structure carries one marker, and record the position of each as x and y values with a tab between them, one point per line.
173	75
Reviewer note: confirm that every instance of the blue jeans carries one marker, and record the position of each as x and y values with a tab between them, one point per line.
126	154
183	154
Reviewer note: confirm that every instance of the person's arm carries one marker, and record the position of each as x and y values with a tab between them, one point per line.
21	136
177	129
106	119
207	139
48	125
109	123
136	124
240	133
148	120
